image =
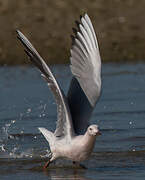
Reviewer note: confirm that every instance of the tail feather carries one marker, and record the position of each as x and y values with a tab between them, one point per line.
49	136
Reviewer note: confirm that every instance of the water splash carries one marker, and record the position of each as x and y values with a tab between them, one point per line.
42	108
29	153
20	144
4	137
4	132
2	147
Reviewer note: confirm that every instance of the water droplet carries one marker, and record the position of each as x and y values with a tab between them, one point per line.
29	110
13	121
11	137
2	147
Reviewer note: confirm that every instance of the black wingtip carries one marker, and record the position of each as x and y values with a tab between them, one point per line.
81	17
19	38
77	23
74	31
73	40
17	32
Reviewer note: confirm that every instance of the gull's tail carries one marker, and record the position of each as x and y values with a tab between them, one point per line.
49	136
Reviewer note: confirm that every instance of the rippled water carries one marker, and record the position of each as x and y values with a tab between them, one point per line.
26	103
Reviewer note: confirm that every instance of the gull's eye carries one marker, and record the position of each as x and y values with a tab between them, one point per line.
91	129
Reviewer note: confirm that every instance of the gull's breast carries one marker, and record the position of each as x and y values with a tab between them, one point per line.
77	150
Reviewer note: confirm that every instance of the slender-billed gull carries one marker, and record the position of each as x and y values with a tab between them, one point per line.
73	138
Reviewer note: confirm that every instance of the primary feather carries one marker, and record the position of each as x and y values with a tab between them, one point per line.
64	125
86	67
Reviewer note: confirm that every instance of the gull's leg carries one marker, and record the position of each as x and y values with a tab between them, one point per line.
51	158
46	164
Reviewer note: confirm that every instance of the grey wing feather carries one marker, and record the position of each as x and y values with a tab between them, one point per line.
64	126
86	68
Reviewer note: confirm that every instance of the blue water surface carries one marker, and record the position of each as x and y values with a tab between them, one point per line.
26	103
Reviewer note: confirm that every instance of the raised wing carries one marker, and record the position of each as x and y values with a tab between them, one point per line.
64	125
86	67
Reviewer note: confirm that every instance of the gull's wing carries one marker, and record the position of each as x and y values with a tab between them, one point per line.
86	67
64	125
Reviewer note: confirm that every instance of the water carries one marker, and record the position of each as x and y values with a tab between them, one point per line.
26	103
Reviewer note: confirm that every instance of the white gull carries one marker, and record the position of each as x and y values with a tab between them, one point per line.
73	138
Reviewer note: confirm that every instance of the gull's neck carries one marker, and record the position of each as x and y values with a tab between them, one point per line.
88	140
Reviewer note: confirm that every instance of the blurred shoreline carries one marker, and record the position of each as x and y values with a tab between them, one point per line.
119	26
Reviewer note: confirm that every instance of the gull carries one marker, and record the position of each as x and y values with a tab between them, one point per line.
73	138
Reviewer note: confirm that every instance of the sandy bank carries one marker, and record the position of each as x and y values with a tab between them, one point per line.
119	25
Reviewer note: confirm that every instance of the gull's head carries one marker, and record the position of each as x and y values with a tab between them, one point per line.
93	130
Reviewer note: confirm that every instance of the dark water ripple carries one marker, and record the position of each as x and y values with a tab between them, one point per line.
26	104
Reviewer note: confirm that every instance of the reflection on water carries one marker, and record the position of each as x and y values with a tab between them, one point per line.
26	104
66	174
